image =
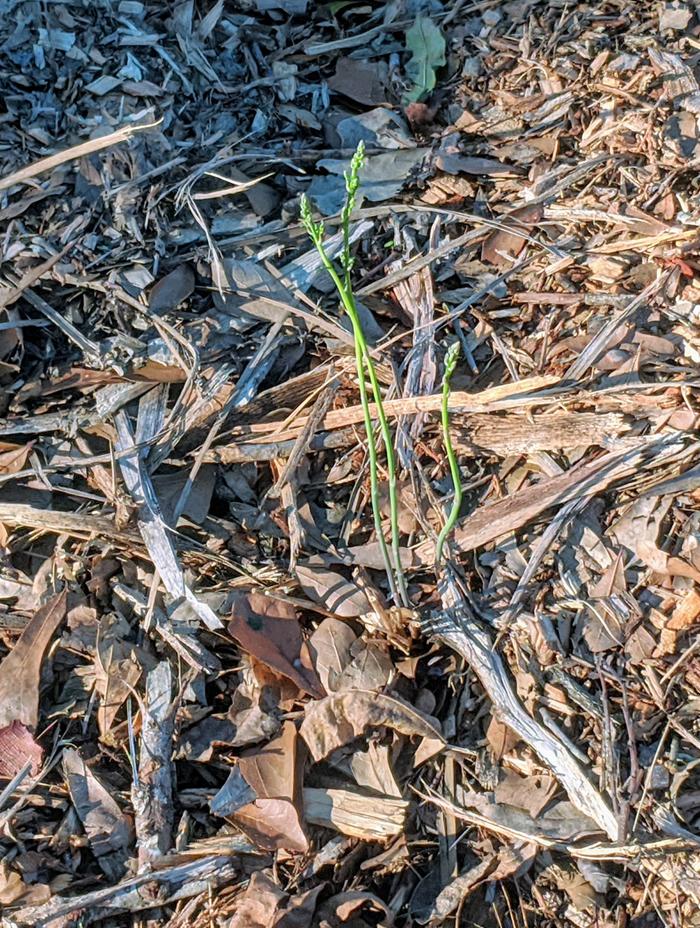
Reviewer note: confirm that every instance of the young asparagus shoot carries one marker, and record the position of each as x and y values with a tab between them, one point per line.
364	364
450	365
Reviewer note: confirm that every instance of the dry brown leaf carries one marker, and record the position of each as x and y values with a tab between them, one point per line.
13	458
371	668
582	895
273	819
13	888
272	824
171	290
118	668
17	747
20	672
269	630
372	769
107	828
271	770
501	739
345	906
330	647
502	246
265	905
531	793
299	910
338	719
258	906
332	591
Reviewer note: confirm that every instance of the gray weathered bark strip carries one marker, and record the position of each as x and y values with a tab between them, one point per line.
152	796
457	628
155	533
157	888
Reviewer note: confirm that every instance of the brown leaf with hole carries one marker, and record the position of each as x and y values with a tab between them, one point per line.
269	630
20	672
17	747
338	719
273	820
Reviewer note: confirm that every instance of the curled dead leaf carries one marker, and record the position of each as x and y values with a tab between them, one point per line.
107	828
338	719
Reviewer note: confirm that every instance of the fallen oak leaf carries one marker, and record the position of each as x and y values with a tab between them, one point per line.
20	672
269	630
338	719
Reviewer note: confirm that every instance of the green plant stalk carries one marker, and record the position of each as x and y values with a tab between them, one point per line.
348	302
363	360
450	364
361	356
352	183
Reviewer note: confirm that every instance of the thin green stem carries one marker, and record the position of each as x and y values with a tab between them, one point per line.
360	347
450	364
388	444
364	362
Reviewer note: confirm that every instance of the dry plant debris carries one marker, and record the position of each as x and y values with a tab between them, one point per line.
213	712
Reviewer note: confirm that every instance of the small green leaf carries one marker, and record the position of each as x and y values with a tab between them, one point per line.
427	44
